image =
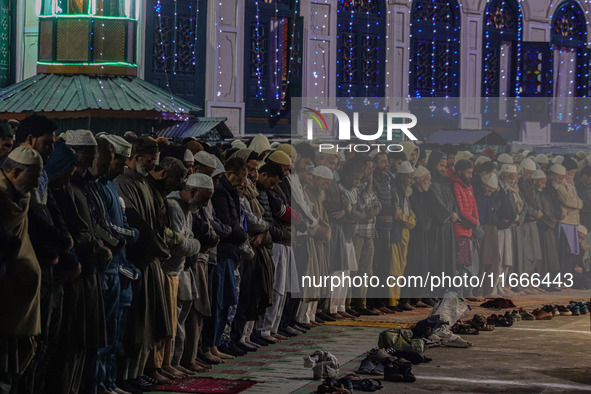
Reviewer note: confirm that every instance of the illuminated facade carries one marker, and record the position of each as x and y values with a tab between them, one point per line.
244	59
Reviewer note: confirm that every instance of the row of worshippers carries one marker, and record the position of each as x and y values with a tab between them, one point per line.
132	261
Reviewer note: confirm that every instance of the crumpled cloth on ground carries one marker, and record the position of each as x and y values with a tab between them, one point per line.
324	364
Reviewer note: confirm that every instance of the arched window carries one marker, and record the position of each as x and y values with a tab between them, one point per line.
175	47
501	42
361	49
568	37
272	66
435	48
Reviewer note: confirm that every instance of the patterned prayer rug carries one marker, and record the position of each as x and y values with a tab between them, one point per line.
208	385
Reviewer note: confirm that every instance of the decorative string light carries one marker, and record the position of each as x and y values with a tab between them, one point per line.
280	90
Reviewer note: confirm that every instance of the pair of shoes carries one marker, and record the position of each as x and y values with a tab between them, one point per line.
464	329
298	328
525	315
352	312
405	306
233	350
125	386
246	347
366	312
541	314
564	310
258	340
552	309
286	333
323	316
500	321
399	370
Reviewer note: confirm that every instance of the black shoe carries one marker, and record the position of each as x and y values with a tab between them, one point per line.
123	385
281	331
392	371
352	312
319	320
245	347
258	340
201	357
366	312
296	328
261	338
233	350
406	370
141	384
325	317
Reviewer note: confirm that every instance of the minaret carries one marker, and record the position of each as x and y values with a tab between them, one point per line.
88	37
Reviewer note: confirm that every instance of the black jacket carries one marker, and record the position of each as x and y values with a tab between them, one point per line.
226	205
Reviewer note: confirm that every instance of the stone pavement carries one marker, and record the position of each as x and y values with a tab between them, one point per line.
532	356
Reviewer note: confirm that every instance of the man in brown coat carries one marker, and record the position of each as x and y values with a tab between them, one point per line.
20	287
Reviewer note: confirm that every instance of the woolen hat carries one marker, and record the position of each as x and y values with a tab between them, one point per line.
491	180
80	138
202	157
188	156
539	174
558	169
421	172
280	157
323	172
528	164
61	160
122	147
199	180
405	168
219	167
26	156
481	159
508	169
505	159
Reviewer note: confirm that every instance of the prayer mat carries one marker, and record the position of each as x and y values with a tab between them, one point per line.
370	323
208	385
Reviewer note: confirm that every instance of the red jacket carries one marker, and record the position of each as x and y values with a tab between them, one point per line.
468	209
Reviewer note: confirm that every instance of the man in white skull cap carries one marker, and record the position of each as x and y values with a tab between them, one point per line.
196	193
20	287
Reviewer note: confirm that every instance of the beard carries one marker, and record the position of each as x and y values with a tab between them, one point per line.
141	169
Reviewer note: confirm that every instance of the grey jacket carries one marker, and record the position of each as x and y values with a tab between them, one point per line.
181	221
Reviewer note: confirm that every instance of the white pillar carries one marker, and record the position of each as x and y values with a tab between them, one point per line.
224	90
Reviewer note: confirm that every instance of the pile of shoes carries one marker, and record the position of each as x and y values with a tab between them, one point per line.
348	384
574	308
395	365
